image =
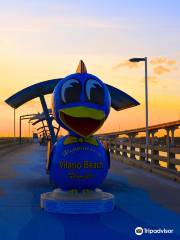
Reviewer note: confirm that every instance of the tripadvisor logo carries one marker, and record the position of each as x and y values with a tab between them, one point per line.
139	231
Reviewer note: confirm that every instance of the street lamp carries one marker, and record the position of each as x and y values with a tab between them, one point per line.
24	117
146	99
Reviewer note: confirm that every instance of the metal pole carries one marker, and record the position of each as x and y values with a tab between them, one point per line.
172	136
44	128
57	132
146	102
48	119
14	125
29	129
20	130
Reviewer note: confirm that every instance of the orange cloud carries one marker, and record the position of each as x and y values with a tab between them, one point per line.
161	69
171	62
158	60
162	60
127	64
162	65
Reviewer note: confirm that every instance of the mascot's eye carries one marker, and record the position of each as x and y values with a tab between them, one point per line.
94	92
71	91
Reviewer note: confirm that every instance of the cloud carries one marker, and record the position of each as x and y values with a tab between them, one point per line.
158	60
162	60
171	62
55	22
162	65
127	64
161	70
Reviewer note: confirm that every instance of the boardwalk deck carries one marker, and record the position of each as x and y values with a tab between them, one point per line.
142	199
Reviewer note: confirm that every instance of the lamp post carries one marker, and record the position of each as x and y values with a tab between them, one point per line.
14	125
146	99
24	117
29	128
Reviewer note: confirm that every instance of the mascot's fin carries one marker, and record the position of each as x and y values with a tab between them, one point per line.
81	67
120	100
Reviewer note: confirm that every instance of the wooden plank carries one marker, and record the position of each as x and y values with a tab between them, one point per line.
175	161
130	152
160	158
175	150
136	145
160	148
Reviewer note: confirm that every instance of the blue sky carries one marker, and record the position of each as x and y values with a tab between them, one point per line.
147	27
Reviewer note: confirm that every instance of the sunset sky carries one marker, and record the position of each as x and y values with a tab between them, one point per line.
43	39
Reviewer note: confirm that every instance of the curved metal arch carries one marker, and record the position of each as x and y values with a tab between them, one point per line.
32	92
42	119
40	115
43	127
46	127
44	131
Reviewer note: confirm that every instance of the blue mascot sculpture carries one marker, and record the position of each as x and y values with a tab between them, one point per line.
81	104
79	163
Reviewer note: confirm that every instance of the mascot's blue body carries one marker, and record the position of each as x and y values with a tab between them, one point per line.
81	104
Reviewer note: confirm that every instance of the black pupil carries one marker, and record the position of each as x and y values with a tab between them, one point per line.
71	93
96	94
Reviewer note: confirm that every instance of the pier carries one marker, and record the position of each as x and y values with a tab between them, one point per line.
142	199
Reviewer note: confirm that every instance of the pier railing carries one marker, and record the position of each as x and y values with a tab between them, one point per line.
156	153
9	143
11	140
162	157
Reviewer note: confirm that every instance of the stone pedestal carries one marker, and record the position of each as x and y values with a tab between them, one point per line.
59	201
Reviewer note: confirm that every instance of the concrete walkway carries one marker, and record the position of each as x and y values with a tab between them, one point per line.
142	199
